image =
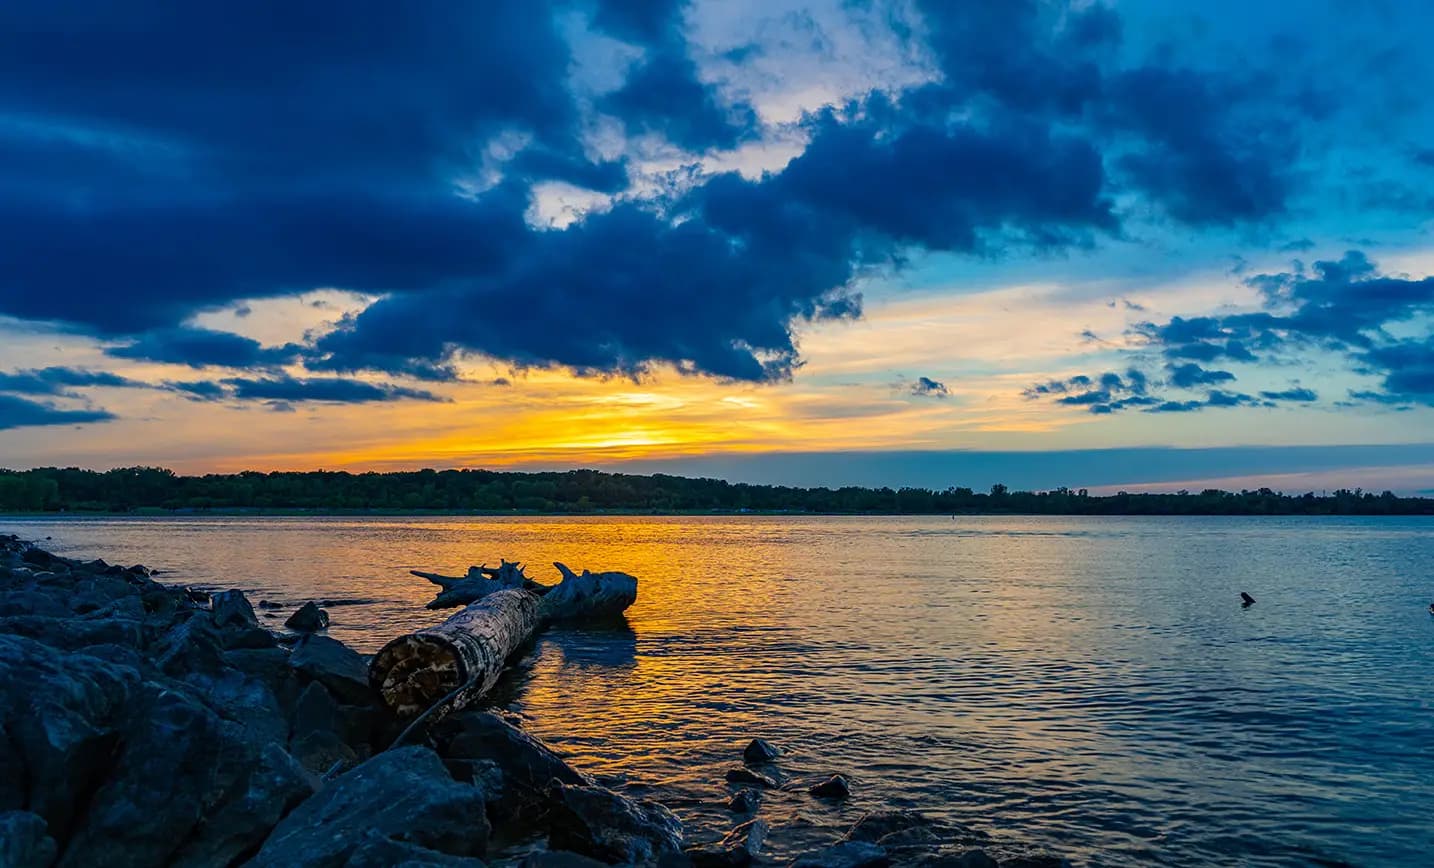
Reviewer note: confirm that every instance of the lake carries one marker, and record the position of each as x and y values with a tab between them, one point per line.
1091	685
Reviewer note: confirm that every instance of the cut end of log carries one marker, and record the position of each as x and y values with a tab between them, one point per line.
417	670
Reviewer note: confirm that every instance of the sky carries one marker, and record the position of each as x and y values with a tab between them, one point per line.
1134	244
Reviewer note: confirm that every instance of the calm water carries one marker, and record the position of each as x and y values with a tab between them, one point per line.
1090	685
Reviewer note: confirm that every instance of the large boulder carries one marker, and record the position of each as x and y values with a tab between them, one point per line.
600	823
528	766
336	666
178	768
60	719
403	794
244	817
24	841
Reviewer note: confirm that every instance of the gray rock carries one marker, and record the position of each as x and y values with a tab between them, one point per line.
73	634
60	715
403	794
309	618
178	764
377	851
759	751
335	665
269	604
321	750
738	849
236	825
194	645
610	827
244	700
740	775
848	854
527	765
745	801
834	787
248	637
316	711
559	859
232	609
24	841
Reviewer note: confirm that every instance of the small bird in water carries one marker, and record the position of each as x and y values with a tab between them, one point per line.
1246	601
1431	608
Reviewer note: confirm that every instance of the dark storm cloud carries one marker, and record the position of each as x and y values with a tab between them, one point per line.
198	348
290	389
1291	394
925	387
158	159
1196	157
1347	305
1190	375
17	412
280	389
663	94
57	380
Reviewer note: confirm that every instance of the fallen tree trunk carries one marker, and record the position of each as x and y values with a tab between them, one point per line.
589	597
458	660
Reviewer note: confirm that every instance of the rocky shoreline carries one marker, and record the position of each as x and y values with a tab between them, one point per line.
153	725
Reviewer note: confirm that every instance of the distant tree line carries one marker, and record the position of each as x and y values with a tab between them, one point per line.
149	489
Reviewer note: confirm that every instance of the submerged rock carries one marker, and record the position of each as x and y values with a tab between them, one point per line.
834	787
848	854
737	850
610	827
404	795
876	825
740	775
759	751
745	801
309	618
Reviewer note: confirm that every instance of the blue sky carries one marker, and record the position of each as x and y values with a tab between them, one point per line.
646	233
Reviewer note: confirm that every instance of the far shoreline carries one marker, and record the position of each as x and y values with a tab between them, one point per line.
240	512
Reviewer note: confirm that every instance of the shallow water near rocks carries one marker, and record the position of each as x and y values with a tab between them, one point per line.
1086	685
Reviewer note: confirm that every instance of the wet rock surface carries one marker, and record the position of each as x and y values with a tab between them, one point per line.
308	618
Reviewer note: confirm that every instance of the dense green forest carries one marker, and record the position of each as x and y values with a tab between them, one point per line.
149	489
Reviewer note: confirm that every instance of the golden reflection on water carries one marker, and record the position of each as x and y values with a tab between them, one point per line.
1088	683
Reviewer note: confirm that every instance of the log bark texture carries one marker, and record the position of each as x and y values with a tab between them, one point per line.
466	653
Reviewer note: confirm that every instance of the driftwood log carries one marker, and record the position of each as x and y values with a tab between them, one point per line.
456	662
478	583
